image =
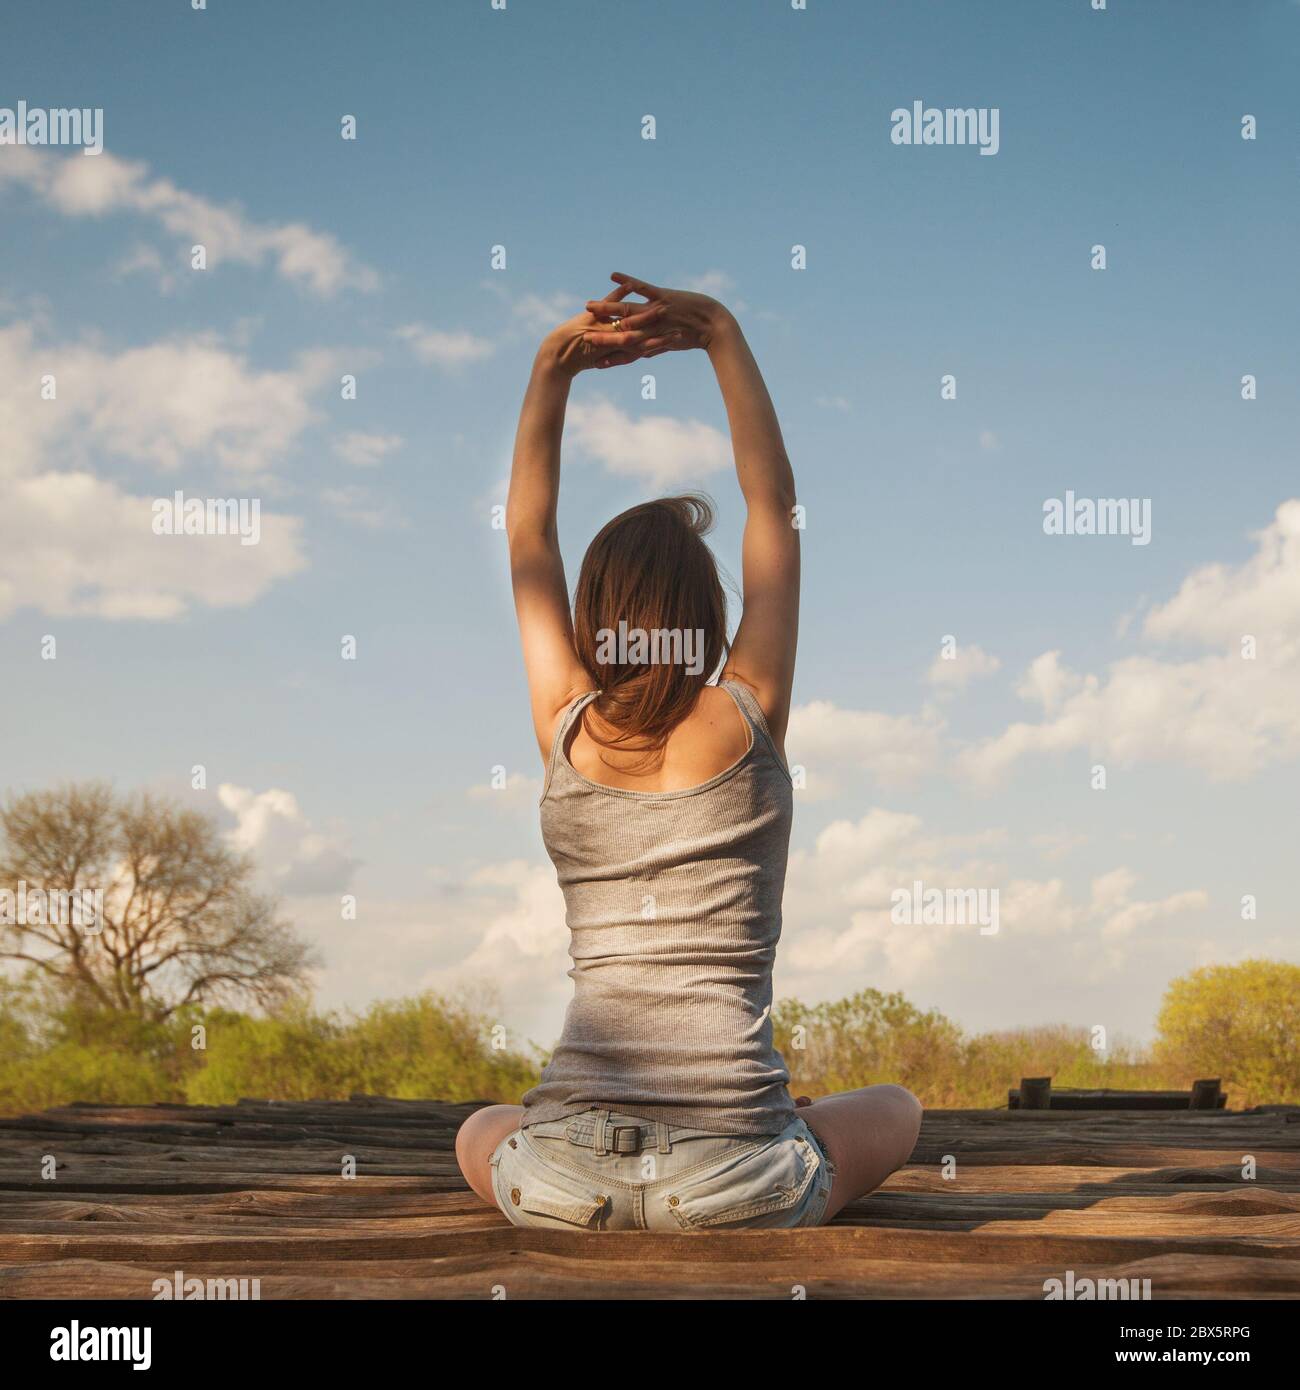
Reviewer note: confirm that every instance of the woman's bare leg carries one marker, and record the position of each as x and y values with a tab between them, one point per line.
476	1141
868	1134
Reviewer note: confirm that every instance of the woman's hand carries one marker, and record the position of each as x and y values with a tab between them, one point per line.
685	320
586	341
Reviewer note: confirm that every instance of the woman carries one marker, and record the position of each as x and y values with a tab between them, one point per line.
666	810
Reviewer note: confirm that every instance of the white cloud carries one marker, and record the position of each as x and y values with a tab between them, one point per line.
534	313
80	187
968	663
358	505
75	542
502	927
539	313
1056	844
519	793
657	449
72	544
895	748
515	920
1219	712
148	261
291	855
363	450
1220	603
1130	917
712	282
718	284
531	924
164	404
1046	682
440	348
840	932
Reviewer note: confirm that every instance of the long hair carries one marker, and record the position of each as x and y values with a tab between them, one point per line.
650	620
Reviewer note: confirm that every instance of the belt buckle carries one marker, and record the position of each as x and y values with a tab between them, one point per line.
616	1140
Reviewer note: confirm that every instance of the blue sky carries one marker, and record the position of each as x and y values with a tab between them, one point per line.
522	128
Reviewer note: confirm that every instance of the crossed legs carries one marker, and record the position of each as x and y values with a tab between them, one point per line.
868	1134
476	1141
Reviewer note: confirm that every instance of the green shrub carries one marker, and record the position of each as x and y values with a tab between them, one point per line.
54	1053
1238	1022
430	1046
425	1048
1241	1023
873	1037
994	1062
294	1055
866	1039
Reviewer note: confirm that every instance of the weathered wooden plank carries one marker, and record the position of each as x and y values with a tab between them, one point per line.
988	1206
257	1189
1106	1156
342	1202
525	1274
345	1205
1156	1225
1017	1242
116	1226
1065	1178
135	1180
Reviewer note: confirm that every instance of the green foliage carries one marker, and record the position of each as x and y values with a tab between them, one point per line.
54	1053
293	1055
421	1048
866	1039
1239	1022
994	1062
874	1037
430	1046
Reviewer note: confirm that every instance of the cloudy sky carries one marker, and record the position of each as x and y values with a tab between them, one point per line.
372	258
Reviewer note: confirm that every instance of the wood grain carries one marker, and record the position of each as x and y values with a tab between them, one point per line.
992	1204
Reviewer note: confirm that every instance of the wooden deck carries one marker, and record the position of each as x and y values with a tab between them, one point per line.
255	1190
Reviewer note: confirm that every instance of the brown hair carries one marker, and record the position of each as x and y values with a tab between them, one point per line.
651	570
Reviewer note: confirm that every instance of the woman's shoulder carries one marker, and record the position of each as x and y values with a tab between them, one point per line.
749	697
720	719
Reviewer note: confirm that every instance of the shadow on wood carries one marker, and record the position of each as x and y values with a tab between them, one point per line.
992	1204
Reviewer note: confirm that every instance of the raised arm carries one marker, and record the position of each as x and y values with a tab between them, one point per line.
763	652
555	674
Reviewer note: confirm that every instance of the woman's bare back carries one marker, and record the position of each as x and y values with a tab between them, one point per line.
712	738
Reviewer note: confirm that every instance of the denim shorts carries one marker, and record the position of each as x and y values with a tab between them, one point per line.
606	1171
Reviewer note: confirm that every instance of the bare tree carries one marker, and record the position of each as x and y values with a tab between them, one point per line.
180	922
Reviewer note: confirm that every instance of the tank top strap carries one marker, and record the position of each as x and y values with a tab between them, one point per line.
753	711
571	714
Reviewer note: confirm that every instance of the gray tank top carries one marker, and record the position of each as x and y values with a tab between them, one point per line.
674	911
